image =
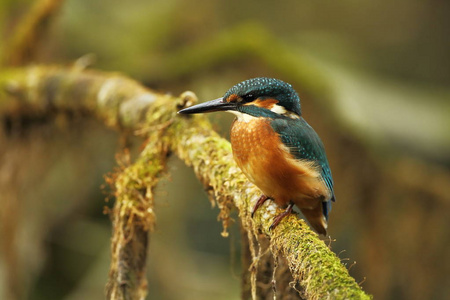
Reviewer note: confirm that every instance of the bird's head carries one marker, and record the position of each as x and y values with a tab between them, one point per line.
257	97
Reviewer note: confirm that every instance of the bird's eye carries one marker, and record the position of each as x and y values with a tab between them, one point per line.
248	97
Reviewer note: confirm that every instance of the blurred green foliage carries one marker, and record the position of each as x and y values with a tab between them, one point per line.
384	72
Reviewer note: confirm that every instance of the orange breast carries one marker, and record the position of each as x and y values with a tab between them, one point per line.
267	163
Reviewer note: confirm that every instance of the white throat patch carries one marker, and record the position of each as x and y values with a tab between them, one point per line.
241	116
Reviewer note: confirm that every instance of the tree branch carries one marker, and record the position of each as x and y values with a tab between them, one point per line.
123	103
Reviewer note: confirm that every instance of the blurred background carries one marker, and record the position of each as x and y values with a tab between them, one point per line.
373	77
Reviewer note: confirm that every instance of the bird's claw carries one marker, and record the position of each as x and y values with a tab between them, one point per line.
258	204
281	216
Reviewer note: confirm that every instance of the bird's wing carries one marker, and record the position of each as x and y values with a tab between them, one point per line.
304	143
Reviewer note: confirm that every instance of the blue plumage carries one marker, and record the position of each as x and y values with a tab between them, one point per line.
263	87
304	143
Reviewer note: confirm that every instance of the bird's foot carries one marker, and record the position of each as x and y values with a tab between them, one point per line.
280	217
260	202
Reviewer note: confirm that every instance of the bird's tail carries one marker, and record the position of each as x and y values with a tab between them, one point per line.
316	219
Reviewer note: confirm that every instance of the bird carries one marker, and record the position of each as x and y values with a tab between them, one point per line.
276	149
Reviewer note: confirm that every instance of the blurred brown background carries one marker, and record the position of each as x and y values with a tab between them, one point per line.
373	77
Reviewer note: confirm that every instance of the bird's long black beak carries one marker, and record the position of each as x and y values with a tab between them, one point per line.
210	106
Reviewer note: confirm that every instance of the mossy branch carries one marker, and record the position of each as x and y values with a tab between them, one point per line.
123	103
134	217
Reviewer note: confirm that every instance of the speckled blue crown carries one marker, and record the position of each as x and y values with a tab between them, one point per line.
270	88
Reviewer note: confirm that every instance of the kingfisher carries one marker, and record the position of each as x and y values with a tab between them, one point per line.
276	148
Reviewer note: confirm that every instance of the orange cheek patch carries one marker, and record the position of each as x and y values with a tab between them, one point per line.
232	98
265	103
